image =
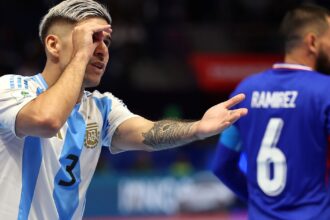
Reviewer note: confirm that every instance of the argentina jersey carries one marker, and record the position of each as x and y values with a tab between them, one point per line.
33	169
284	139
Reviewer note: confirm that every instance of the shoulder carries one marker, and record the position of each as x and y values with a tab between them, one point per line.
316	81
96	95
9	81
322	78
250	82
104	99
255	77
13	81
99	95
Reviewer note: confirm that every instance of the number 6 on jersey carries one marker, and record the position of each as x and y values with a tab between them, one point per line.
269	154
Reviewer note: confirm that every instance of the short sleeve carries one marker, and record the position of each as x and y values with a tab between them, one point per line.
116	113
230	138
15	92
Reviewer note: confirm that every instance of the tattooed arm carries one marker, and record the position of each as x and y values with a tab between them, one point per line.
141	134
152	136
168	133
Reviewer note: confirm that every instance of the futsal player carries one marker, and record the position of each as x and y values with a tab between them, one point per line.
52	129
285	137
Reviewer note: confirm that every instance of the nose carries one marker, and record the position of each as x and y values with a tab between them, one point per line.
101	51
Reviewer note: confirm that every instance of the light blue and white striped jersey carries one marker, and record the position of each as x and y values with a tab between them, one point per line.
47	178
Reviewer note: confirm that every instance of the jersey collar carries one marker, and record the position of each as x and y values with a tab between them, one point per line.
291	66
41	81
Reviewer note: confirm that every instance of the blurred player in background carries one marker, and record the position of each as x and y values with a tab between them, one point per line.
52	130
285	136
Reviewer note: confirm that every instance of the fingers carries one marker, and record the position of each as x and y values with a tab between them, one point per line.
100	32
241	111
236	114
234	100
101	28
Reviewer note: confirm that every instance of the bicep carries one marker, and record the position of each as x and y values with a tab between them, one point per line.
26	122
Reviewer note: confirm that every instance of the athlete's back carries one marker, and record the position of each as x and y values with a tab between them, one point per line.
284	137
285	134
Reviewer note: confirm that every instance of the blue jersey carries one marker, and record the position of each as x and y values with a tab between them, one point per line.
285	140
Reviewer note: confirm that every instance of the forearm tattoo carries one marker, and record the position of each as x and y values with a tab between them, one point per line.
168	134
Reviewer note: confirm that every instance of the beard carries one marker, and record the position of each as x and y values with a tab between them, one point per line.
322	63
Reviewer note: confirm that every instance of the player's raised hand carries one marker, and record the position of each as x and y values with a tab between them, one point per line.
219	117
86	36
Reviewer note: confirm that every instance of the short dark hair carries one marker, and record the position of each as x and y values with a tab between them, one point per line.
296	22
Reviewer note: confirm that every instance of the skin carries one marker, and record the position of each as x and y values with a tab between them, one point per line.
314	50
69	54
79	53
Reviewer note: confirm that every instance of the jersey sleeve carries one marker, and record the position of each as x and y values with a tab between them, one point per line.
118	113
230	138
15	92
225	164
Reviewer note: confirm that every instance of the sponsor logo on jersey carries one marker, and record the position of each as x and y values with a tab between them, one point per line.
92	135
274	99
20	95
25	94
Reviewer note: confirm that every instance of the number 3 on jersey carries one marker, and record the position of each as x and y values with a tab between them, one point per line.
69	169
270	156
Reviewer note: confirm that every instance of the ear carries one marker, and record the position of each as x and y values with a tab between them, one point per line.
52	45
312	42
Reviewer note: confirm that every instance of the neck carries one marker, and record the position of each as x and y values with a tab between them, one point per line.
300	57
52	73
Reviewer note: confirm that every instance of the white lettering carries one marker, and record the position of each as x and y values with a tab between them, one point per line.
274	99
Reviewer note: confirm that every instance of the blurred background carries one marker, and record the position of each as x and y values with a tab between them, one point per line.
168	59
